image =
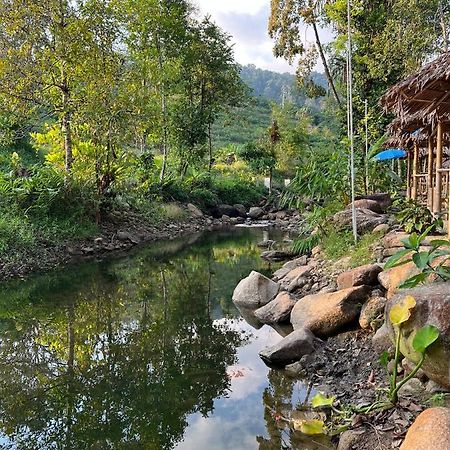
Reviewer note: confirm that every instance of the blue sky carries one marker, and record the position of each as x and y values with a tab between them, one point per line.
246	21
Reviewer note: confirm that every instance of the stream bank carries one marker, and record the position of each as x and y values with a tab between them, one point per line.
335	311
117	235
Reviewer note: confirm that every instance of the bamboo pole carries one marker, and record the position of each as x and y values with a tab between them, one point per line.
408	175
437	203
350	117
414	174
430	180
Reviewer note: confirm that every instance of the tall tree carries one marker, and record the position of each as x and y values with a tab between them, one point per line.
44	48
156	40
284	26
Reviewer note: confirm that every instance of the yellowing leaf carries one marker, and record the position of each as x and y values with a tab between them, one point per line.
401	312
309	427
320	400
409	301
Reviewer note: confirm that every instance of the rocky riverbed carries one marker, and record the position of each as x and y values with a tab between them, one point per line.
335	324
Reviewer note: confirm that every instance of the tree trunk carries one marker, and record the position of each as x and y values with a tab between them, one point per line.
164	112
210	148
325	65
66	129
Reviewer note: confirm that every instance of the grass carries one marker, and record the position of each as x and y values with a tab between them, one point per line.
337	245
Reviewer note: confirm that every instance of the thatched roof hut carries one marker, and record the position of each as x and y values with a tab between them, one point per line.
424	95
421	104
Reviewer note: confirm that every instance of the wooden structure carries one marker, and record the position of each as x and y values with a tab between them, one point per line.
421	104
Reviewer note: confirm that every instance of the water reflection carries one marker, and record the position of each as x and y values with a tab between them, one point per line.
140	353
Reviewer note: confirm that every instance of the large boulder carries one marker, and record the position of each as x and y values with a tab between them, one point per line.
383	199
254	291
366	219
225	210
364	275
432	308
430	431
242	211
194	211
391	279
255	212
290	349
366	204
276	311
325	314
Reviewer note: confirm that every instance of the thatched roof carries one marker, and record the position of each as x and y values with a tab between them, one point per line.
425	95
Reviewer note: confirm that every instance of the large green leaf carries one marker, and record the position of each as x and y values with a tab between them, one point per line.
414	281
421	259
412	242
426	336
394	260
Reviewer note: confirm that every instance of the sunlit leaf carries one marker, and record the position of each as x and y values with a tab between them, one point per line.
310	427
401	312
426	336
320	400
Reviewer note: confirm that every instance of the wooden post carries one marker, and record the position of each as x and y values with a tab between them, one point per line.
408	175
430	180
414	172
437	203
448	201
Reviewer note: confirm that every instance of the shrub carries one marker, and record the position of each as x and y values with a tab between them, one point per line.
16	234
235	190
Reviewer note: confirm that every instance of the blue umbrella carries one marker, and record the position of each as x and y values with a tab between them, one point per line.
391	153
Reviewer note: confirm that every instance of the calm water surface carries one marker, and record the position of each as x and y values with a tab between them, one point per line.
144	352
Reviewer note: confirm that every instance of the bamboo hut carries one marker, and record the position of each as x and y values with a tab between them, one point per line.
421	104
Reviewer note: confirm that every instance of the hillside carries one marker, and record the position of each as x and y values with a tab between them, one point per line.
247	123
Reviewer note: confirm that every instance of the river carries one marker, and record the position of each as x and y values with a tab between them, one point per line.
143	352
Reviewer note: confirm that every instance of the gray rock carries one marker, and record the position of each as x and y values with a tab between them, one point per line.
432	308
125	236
254	291
366	219
290	349
256	212
276	311
381	341
241	209
194	211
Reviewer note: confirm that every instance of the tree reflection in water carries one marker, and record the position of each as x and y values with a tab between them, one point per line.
117	355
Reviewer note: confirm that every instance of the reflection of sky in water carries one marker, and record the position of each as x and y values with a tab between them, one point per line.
238	418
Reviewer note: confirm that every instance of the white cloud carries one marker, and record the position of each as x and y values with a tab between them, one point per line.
246	21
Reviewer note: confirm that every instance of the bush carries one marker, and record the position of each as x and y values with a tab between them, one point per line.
235	190
16	234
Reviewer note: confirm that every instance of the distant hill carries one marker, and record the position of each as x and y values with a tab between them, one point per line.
248	123
274	86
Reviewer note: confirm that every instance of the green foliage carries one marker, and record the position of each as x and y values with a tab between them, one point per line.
207	191
321	175
432	263
414	217
16	236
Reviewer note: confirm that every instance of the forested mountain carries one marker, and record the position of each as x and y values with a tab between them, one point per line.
274	86
248	122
